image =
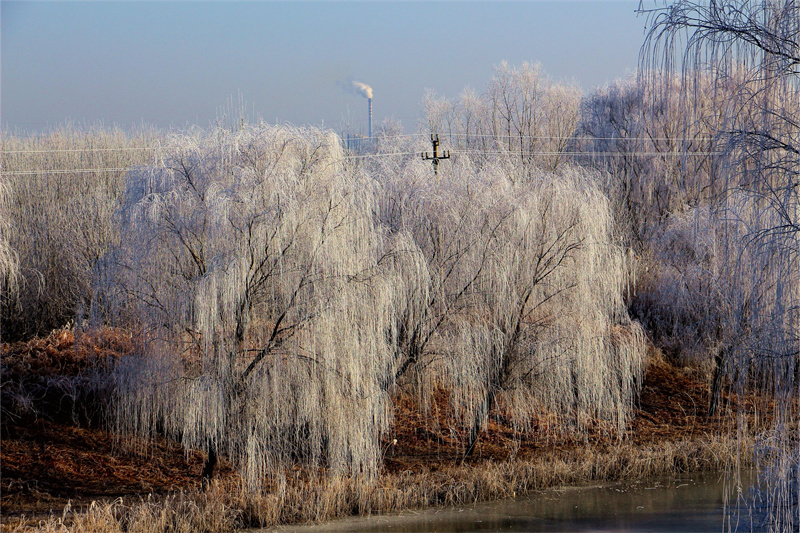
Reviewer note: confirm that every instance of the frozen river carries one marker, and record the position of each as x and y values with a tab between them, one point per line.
692	503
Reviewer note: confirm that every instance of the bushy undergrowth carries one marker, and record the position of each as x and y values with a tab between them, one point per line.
63	378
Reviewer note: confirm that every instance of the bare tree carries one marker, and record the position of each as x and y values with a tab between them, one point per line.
757	45
547	307
659	152
249	266
523	116
697	304
532	117
512	293
63	188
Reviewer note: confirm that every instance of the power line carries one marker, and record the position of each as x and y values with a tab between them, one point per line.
390	154
74	150
90	150
366	156
402	136
61	171
570	137
585	153
89	170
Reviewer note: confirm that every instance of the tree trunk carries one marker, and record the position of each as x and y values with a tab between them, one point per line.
209	465
716	384
477	425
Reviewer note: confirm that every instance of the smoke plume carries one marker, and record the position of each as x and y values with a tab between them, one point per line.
363	89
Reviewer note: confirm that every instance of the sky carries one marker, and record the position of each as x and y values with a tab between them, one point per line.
182	63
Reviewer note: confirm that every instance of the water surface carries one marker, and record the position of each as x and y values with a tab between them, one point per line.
692	503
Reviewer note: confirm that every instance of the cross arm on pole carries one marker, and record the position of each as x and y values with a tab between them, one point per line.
435	158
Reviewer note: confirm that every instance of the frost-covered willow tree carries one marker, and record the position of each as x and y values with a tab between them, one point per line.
756	43
9	264
699	300
513	293
547	332
432	230
659	151
249	264
63	188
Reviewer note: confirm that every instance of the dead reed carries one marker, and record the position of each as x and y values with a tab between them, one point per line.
316	497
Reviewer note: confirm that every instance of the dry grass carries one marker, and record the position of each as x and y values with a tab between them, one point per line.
315	497
489	480
46	463
62	354
180	512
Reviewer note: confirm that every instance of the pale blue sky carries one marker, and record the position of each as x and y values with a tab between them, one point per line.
178	63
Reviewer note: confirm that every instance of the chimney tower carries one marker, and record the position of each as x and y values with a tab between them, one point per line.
369	127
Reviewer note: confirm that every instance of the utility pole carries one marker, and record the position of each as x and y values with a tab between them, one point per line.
436	157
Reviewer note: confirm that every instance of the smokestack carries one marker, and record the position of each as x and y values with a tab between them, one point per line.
366	91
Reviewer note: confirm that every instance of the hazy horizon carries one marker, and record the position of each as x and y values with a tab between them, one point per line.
185	63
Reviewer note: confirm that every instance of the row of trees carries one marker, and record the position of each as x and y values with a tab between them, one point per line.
523	114
701	150
661	167
282	289
283	293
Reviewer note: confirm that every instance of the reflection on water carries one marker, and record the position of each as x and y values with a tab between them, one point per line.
693	503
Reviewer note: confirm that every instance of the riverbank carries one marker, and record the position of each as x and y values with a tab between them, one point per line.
696	502
63	468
